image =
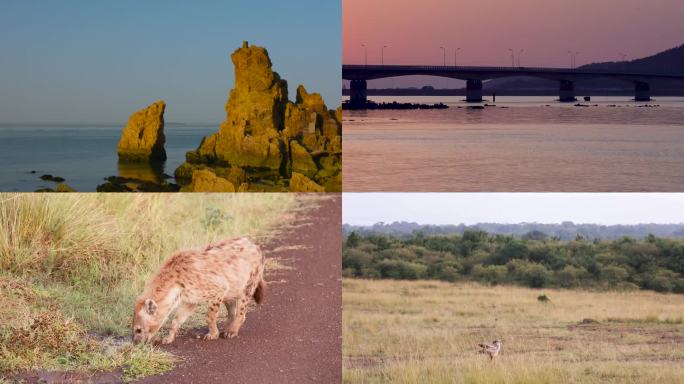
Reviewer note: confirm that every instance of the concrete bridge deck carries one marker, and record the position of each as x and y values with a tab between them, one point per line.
360	74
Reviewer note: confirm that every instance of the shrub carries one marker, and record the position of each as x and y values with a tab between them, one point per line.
530	274
398	269
447	270
614	274
493	274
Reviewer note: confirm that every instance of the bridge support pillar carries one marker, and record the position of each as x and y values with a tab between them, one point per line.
474	91
642	91
567	91
358	93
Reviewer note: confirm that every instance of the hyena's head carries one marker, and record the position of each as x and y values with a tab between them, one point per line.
146	320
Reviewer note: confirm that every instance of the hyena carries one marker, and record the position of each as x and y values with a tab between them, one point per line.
229	272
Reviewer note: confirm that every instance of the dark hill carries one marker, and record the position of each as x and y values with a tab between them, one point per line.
666	62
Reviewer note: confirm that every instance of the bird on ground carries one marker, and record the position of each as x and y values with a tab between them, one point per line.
492	349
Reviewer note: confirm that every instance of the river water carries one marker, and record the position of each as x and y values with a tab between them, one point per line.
521	144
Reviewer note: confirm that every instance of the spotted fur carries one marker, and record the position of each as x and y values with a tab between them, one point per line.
230	272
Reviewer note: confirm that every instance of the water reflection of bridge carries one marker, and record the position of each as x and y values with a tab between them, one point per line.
566	77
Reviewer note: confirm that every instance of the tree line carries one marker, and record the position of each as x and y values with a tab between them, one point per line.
533	260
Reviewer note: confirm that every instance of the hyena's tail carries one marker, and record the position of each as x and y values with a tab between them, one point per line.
260	291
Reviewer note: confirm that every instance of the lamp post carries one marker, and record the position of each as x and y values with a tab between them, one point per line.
512	57
573	59
455	57
622	60
365	54
520	52
444	54
382	55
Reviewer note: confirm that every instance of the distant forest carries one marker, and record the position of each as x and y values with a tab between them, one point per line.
563	231
534	260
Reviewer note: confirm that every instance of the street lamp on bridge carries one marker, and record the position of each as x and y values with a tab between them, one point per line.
365	54
573	59
512	57
520	52
382	54
455	57
444	53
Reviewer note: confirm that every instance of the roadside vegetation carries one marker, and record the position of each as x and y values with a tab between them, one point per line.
428	331
71	266
532	260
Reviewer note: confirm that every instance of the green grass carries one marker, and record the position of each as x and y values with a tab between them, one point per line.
427	332
73	264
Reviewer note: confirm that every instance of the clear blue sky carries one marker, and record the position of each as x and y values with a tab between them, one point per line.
98	61
473	208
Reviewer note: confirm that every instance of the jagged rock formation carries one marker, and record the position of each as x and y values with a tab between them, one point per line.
204	180
268	137
301	183
143	137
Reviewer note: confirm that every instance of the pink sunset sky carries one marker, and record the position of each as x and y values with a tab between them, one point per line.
485	30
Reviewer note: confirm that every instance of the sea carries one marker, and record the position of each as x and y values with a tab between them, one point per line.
84	155
516	144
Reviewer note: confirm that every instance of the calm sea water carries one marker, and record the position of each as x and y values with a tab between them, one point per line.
522	144
84	156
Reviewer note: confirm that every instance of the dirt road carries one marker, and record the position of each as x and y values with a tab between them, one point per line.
295	336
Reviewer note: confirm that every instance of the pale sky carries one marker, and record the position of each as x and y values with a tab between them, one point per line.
473	208
85	61
485	30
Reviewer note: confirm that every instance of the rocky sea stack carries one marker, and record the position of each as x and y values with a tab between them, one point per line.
266	138
142	140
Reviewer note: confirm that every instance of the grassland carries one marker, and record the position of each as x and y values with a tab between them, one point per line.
71	266
427	332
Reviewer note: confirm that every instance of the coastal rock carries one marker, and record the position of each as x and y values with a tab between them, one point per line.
301	183
265	135
204	180
143	137
302	162
49	177
63	187
128	184
249	135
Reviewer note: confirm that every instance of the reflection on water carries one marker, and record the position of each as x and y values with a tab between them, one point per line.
520	145
152	172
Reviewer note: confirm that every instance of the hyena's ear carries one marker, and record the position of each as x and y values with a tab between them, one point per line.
150	306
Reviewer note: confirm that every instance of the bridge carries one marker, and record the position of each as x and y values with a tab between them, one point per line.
474	76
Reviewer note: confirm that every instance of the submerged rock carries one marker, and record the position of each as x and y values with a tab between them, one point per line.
267	136
49	177
143	137
127	184
63	187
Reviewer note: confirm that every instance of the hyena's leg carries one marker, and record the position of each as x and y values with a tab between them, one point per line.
240	312
212	314
184	311
231	306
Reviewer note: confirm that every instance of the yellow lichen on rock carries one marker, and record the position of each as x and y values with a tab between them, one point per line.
204	180
249	135
143	137
267	135
301	183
